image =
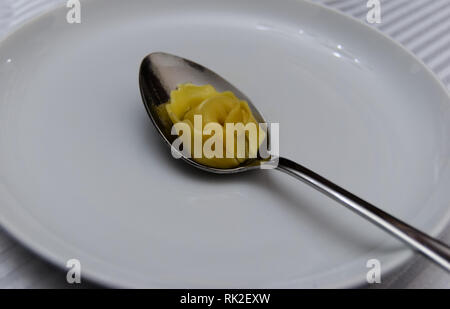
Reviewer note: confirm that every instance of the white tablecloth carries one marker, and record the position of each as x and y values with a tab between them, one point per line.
422	26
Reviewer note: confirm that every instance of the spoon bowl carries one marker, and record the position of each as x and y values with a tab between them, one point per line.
160	73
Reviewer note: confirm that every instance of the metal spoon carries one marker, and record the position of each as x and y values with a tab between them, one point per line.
160	73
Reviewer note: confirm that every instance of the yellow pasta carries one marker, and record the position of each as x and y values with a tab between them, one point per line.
189	101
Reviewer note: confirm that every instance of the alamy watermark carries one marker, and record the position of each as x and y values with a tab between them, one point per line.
374	274
232	140
74	272
374	14
74	14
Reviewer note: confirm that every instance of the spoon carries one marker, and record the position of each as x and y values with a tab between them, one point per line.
160	73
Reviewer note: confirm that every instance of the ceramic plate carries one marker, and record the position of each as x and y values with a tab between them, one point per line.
83	173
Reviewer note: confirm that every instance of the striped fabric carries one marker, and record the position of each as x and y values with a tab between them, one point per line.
422	26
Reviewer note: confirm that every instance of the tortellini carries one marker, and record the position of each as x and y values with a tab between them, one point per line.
217	109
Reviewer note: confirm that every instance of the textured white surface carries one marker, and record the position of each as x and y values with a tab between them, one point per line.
423	26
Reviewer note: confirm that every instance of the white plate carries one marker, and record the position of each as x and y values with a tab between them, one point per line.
84	175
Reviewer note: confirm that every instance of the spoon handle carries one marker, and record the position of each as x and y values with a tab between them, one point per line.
428	246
